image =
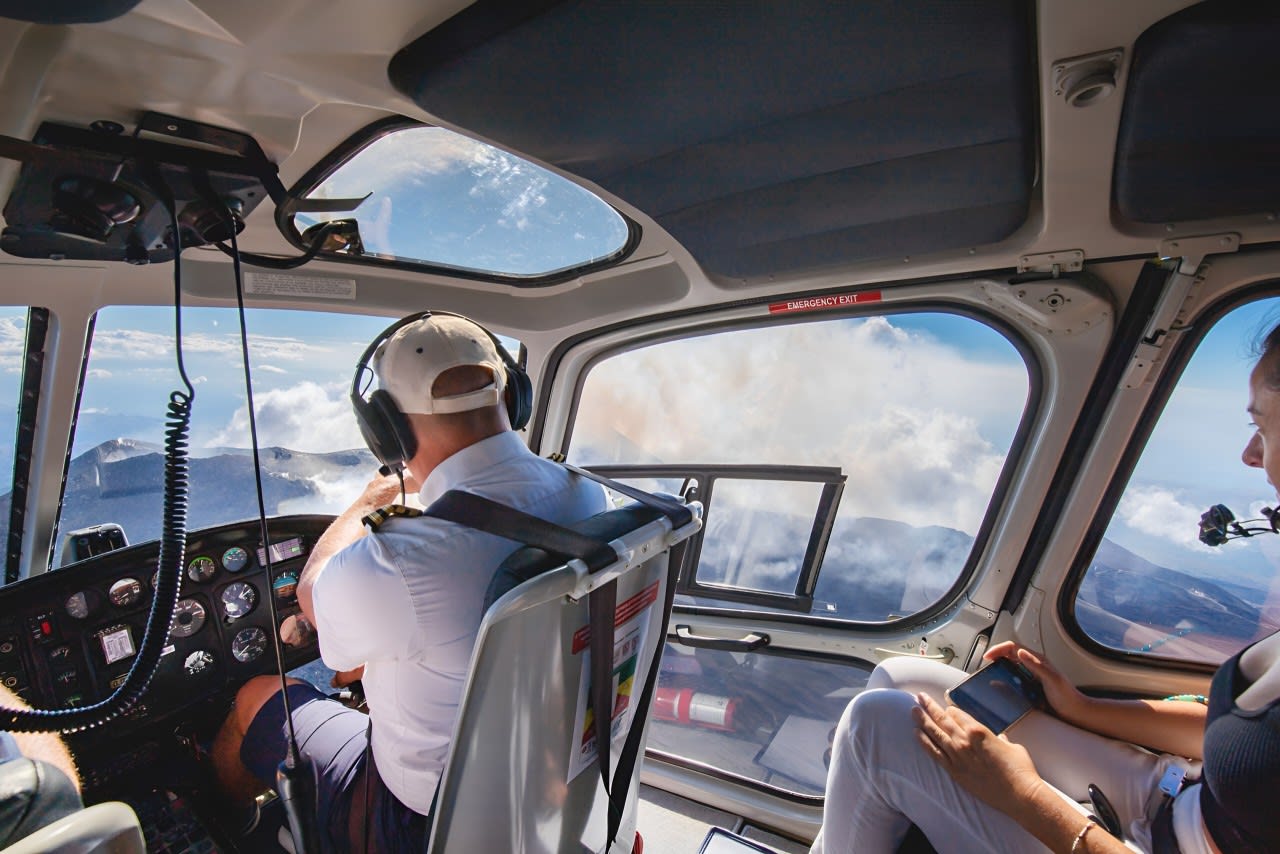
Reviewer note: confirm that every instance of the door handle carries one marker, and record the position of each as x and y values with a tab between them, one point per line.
747	643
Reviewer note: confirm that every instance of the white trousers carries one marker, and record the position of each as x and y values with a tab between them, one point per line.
882	781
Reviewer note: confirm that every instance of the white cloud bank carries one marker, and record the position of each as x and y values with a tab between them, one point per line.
305	417
898	411
1159	512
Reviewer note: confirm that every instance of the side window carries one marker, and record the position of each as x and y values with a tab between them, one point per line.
1153	588
314	460
913	413
13	332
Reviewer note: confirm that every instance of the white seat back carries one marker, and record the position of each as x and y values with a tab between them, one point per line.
522	774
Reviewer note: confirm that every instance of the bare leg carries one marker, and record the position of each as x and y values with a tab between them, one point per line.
237	782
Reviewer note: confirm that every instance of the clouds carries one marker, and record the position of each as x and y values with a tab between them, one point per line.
136	345
908	418
303	417
13	332
1160	513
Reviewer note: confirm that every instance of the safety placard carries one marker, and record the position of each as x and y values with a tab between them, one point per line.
631	622
823	302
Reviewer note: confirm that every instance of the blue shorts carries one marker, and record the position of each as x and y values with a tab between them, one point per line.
334	740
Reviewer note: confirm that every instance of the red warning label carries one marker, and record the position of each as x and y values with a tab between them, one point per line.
818	303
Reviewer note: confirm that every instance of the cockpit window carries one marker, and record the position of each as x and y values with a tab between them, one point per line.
915	413
313	458
438	199
13	326
1153	588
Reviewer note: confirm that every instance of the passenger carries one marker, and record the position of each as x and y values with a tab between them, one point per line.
404	604
38	779
902	756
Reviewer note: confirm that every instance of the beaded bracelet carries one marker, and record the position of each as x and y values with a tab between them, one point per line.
1079	840
1191	698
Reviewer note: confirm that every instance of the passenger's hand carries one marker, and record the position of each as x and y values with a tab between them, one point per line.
1064	698
988	766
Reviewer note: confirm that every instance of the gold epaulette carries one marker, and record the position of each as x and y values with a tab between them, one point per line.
374	520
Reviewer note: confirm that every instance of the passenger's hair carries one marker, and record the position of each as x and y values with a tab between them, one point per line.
1269	359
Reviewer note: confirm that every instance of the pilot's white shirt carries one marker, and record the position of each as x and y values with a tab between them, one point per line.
406	602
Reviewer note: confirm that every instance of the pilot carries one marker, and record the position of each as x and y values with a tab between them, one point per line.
401	603
902	757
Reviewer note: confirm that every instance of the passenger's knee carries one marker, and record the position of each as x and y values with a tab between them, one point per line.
913	674
254	694
873	714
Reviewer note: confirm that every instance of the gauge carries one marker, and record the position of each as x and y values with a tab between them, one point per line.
201	569
81	605
248	644
285	586
188	617
234	559
238	599
198	662
125	592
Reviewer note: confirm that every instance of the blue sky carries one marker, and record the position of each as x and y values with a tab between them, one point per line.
446	199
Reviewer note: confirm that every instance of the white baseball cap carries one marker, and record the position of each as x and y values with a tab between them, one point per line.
408	363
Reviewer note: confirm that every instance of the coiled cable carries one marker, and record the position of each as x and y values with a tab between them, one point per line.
173	546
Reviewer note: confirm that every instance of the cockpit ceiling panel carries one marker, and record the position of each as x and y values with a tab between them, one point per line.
766	137
1200	132
65	11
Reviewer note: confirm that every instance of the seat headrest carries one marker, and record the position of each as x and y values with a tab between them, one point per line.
531	561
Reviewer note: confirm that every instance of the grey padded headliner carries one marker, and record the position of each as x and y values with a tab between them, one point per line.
766	137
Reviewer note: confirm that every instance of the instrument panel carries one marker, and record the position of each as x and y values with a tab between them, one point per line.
69	636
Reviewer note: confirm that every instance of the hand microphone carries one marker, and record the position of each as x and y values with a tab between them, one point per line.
1218	524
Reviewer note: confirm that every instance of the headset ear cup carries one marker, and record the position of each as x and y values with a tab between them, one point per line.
519	397
386	430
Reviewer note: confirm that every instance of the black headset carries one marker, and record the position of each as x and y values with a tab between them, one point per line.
386	429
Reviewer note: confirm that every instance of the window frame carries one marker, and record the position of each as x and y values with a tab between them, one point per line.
39	321
371	133
702	480
999	495
1180	355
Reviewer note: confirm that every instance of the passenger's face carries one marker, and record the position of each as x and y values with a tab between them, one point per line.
1263	450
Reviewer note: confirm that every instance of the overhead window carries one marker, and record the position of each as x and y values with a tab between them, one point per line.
867	451
434	198
1153	588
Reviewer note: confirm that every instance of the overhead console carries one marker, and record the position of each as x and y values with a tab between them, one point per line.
104	194
69	637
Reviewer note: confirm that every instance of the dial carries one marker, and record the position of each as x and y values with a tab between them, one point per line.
285	586
198	662
201	569
188	618
81	605
234	559
125	592
248	644
238	599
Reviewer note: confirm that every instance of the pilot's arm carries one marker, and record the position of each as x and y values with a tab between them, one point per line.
344	531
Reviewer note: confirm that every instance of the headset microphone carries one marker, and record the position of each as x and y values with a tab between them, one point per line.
1218	524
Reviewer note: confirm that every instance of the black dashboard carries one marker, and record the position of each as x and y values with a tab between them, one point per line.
69	636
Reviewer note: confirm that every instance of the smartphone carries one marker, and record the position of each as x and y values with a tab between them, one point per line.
999	694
